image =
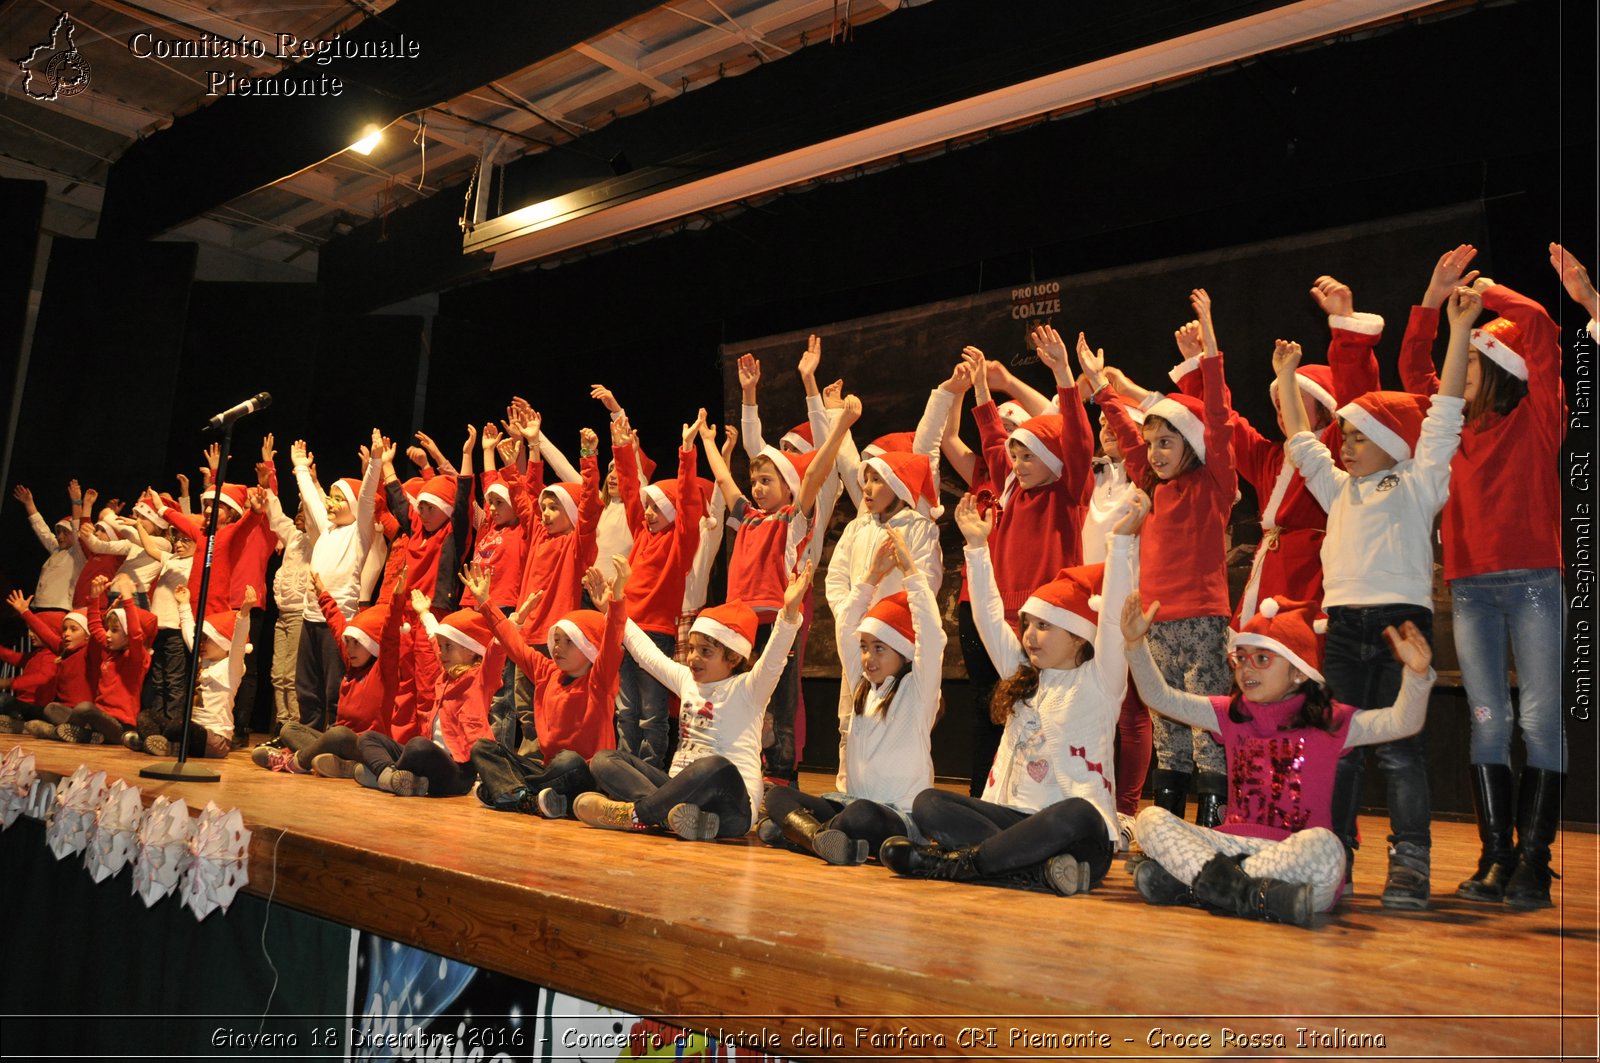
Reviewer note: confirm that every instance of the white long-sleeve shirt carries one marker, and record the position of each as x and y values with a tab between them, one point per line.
887	756
851	563
137	564
291	587
722	718
1379	545
337	553
1061	742
218	680
58	576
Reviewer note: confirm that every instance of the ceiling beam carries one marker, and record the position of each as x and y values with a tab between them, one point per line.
628	68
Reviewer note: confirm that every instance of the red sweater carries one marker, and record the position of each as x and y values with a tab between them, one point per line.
36	684
461	703
240	545
1290	563
366	694
75	671
1182	548
660	560
502	553
93	565
1036	531
568	713
764	554
1504	509
121	675
556	563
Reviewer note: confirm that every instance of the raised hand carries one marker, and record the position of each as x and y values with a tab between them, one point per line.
491	435
267	453
1464	307
213	457
417	456
588	441
749	377
1051	348
98	585
181	595
692	432
1575	279
507	449
1334	297
594	582
852	409
25	496
602	394
975	527
476	580
1138	510
621	432
1285	357
960	381
798	586
833	395
19	601
884	560
1093	362
248	602
1449	273
730	437
1410	647
622	570
707	432
1136	619
980	376
811	359
419	602
521	615
471	442
317	585
299	456
1187	337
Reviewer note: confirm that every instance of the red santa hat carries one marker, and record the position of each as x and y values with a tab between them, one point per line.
910	477
219	628
792	467
143	508
733	625
52	620
349	487
664	495
1499	341
799	437
1186	415
889	621
587	630
1391	419
77	616
1043	435
895	442
1315	382
411	488
67	524
1293	630
1071	600
234	496
142	617
439	492
566	495
1012	411
366	627
465	627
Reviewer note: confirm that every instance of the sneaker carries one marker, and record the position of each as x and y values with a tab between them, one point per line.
769	832
133	741
10	725
1067	875
41	729
364	776
1125	839
598	810
407	784
330	766
71	732
261	756
1406	888
285	760
158	746
691	824
553	805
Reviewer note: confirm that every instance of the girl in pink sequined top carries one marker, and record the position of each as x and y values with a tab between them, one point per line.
1274	856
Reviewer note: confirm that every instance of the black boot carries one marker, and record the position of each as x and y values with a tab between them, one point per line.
1063	874
905	857
1157	885
801	829
1491	797
1223	885
1539	813
1170	790
1212	803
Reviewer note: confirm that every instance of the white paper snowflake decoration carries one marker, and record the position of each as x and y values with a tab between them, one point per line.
116	832
163	850
17	780
72	819
221	859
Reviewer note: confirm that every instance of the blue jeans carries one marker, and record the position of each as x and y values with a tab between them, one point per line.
1523	606
1362	671
642	706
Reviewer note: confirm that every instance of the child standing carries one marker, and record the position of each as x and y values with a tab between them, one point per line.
225	639
714	785
1274	856
1377	566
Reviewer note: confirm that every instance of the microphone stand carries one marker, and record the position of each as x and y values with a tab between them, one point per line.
180	769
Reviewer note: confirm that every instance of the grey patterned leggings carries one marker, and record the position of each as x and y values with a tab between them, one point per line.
1314	855
1192	655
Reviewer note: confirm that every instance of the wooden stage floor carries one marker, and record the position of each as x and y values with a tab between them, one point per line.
853	962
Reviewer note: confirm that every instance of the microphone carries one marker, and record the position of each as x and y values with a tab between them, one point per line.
233	413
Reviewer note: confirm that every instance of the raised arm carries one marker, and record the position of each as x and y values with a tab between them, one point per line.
821	468
1192	709
988	611
749	412
719	467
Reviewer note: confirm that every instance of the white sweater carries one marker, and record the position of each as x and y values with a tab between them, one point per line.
851	563
337	553
1379	546
887	756
720	718
1060	743
218	681
58	576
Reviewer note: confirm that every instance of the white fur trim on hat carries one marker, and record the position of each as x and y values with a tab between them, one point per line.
1180	418
662	503
1059	617
886	474
497	490
730	638
1490	346
77	618
143	509
568	504
1381	434
344	489
459	637
1316	391
886	634
227	500
800	443
1365	324
1035	444
1183	368
1267	642
366	641
786	468
1012	410
579	639
435	501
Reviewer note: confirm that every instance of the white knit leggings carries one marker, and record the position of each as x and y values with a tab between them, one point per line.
1315	855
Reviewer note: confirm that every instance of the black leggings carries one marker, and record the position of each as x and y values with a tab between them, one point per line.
504	777
1010	840
712	783
308	743
981	680
858	819
420	756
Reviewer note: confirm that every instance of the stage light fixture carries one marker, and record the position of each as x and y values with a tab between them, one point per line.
369	140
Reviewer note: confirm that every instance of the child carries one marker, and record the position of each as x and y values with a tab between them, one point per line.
59	573
462	657
1274	857
899	497
1505	575
369	644
499	550
666	536
561	520
123	635
575	690
167	679
77	664
1183	457
714	785
774	526
891	649
24	694
1377	570
1048	816
222	649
